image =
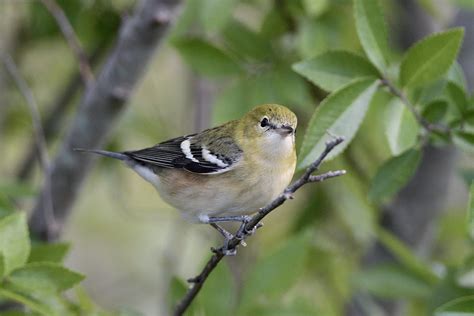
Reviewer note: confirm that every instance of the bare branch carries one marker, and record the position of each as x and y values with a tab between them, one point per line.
32	106
101	106
38	132
57	113
327	175
71	38
307	177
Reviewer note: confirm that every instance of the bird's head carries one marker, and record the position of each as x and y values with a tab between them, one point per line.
270	126
270	120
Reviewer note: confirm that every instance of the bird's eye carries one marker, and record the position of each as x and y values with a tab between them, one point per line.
264	122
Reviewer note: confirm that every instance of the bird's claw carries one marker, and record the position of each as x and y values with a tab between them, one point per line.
224	251
248	233
241	234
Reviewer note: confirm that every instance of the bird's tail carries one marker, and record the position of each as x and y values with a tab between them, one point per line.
105	153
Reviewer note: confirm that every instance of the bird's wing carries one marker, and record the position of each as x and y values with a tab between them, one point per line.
192	154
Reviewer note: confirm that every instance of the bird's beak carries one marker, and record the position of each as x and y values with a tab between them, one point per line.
285	130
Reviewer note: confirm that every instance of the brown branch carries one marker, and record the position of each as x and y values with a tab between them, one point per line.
54	118
100	107
307	177
72	40
26	92
38	133
430	127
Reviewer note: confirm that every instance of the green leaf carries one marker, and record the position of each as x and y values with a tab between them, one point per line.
350	193
334	69
245	43
372	32
44	277
288	88
14	241
430	92
341	114
470	212
216	13
392	281
176	291
48	252
458	97
435	111
447	289
393	175
406	257
468	117
278	85
315	7
6	206
16	190
401	127
463	306
84	301
272	276
274	24
312	37
430	58
465	141
456	75
2	266
232	102
188	17
206	58
30	302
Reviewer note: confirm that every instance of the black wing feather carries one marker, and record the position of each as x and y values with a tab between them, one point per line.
170	155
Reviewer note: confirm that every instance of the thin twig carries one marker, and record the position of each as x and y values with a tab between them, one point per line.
307	177
57	113
71	38
38	132
430	127
32	106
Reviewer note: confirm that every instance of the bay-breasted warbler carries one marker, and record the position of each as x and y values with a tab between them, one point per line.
222	173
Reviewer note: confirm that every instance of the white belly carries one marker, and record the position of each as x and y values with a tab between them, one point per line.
216	195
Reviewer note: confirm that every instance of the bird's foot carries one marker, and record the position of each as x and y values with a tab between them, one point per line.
225	250
248	233
241	233
220	219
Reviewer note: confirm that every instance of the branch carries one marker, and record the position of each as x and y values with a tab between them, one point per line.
72	40
254	222
56	115
430	127
38	131
100	107
26	92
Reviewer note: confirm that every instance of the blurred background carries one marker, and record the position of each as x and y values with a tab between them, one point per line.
131	245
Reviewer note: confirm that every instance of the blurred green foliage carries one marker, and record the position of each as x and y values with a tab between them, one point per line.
334	54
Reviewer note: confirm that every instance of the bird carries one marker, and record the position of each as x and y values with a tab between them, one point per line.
221	174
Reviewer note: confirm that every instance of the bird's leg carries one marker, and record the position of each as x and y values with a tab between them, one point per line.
244	219
241	234
227	237
237	218
225	233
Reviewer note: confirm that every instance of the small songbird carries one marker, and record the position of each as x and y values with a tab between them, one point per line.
224	173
